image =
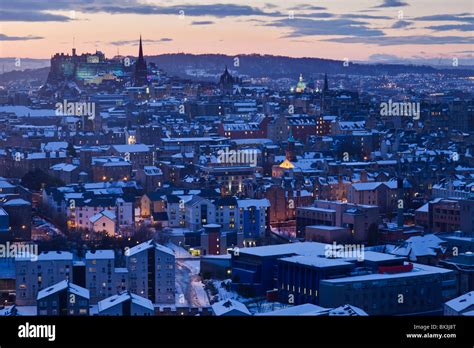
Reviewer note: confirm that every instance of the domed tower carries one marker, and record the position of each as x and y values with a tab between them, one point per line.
301	85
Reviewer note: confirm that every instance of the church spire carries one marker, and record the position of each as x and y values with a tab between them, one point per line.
140	50
140	67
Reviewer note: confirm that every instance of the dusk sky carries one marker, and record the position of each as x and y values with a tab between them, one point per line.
355	29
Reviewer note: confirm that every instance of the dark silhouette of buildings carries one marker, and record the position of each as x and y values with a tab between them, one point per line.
226	82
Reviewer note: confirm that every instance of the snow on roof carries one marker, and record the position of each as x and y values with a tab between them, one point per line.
104	213
65	167
347	310
247	203
152	170
303	309
193	139
212	226
418	270
6	184
252	141
305	248
424	208
65	284
100	255
147	245
323	210
19	310
225	306
351	125
21	111
55	146
376	256
327	228
42	155
16	202
124	296
131	148
51	256
366	186
8	310
314	261
416	246
462	302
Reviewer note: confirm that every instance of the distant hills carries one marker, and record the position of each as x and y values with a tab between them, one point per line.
285	67
208	66
29	74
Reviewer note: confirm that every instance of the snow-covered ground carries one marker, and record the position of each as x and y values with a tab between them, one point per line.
254	305
194	266
179	252
200	293
189	287
223	294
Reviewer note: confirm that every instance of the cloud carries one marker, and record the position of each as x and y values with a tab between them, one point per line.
362	16
30	16
313	15
392	3
202	22
308	27
4	37
400	24
211	10
135	42
405	40
308	7
37	10
461	17
449	27
269	5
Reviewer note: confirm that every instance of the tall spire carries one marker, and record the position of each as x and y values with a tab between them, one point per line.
140	50
326	86
140	67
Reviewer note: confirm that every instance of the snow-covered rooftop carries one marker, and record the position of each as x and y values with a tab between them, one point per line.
303	309
147	245
65	284
225	306
100	255
124	296
462	303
